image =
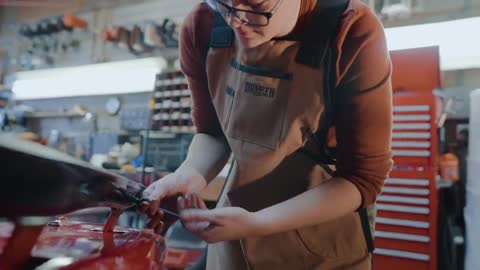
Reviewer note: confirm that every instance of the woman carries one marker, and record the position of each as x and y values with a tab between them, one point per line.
268	79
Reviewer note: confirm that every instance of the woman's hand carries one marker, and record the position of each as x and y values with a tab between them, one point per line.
220	224
184	181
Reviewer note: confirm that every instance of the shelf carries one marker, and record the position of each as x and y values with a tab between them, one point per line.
176	129
172	93
170	82
168	133
157	134
172	106
55	115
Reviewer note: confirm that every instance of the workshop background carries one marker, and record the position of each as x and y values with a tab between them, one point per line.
100	81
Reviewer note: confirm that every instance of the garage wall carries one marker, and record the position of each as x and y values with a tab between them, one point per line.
459	84
429	11
91	49
468	78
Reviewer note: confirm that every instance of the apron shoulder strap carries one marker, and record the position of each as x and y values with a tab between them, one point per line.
221	35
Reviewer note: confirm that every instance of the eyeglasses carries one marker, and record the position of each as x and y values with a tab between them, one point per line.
248	17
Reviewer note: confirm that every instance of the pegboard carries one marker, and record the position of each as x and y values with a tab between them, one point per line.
92	49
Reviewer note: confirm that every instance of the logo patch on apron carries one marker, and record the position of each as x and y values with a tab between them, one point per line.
259	90
229	90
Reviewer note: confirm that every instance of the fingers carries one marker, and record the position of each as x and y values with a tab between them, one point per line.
154	194
159	224
185	202
200	203
143	207
156	191
154	205
191	201
181	203
209	233
197	227
155	221
159	228
197	219
150	190
197	215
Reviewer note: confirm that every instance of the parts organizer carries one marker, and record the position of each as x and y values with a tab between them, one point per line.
172	108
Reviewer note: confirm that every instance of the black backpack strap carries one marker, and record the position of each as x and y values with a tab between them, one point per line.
315	51
221	36
363	212
311	54
319	35
328	97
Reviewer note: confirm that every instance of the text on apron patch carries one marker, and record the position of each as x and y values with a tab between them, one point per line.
259	90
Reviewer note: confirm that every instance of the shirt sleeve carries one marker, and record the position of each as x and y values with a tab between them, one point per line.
194	38
363	109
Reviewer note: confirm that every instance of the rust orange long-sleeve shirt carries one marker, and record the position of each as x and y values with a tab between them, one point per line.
363	118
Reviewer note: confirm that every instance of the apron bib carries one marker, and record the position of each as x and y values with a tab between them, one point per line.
267	111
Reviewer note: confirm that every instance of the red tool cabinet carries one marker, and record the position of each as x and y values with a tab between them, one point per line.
406	224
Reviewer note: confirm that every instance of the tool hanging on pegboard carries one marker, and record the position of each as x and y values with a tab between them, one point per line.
45	39
143	38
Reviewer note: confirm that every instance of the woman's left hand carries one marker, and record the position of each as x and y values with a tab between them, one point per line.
220	224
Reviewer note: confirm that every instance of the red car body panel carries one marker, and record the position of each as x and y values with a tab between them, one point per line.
39	183
86	246
77	245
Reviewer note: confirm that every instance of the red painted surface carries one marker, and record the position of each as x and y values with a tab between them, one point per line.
58	184
17	252
85	246
416	69
179	258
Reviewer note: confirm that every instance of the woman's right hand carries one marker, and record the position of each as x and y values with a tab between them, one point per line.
182	182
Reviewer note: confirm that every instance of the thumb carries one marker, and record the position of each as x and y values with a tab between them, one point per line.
198	215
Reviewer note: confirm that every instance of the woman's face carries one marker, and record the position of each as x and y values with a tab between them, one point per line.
285	15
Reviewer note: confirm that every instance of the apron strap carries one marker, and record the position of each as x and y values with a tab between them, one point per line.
316	51
316	41
221	35
366	229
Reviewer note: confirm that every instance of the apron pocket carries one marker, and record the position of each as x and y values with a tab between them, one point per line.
340	238
258	195
280	251
259	106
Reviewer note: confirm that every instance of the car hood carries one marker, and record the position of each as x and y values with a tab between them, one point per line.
65	244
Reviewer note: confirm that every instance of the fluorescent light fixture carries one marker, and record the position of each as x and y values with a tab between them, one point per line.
457	41
98	79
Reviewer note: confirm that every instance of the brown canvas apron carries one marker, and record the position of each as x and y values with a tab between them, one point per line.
269	104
